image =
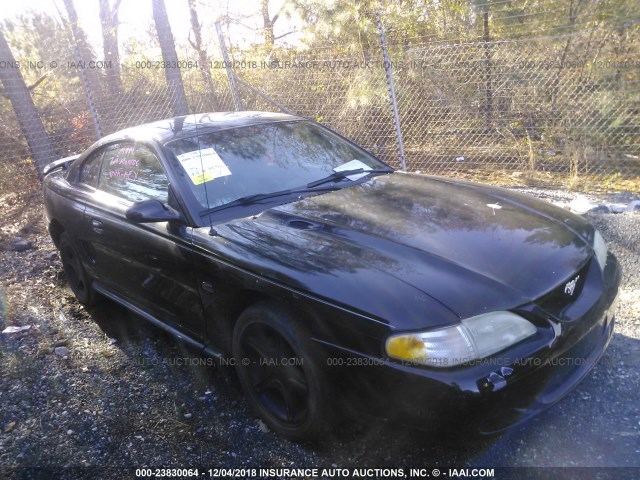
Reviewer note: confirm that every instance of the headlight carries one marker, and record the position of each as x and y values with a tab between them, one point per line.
600	249
475	338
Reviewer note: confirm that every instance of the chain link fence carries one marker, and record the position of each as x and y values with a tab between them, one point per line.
556	110
519	106
548	109
75	116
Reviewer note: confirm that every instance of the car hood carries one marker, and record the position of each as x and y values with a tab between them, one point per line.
412	250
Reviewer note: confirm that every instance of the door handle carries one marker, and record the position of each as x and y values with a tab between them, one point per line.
96	225
207	287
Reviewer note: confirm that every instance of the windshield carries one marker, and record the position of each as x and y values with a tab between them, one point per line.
224	166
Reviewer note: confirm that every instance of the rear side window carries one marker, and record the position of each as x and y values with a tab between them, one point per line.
133	172
90	171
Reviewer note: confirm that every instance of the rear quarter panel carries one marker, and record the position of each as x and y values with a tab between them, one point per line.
62	204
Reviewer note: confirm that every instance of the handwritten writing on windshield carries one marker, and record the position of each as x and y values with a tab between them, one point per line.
131	162
123	173
128	168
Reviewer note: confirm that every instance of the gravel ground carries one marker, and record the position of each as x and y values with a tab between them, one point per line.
104	388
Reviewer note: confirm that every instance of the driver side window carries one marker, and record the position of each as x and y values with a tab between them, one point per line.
133	172
90	170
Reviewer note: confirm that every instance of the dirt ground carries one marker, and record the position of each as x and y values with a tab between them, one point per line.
102	388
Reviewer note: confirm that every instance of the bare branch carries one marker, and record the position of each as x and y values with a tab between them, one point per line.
277	15
37	82
191	42
285	34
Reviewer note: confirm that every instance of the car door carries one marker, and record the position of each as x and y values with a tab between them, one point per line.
145	264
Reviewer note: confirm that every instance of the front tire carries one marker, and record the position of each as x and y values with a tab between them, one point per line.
77	277
280	373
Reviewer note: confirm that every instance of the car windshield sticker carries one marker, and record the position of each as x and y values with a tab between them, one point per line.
203	165
353	165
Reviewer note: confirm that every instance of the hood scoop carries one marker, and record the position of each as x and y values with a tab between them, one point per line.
301	224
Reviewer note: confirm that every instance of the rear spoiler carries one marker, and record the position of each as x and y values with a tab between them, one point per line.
63	164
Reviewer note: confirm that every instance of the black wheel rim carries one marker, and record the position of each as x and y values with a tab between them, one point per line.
73	270
277	380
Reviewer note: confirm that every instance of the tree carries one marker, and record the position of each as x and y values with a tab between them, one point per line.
203	60
483	7
268	22
326	23
83	50
574	9
16	90
179	104
109	22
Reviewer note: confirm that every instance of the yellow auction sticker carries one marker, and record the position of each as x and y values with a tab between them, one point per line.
203	165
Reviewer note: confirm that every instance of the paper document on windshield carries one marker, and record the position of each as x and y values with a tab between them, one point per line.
203	165
353	165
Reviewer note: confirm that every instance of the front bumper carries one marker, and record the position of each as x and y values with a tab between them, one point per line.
501	392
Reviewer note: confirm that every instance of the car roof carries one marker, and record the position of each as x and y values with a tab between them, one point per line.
174	128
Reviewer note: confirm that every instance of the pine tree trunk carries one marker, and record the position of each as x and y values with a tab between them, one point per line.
267	25
15	89
487	60
202	56
109	22
178	98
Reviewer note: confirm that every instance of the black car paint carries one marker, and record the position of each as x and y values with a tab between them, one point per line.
403	232
398	252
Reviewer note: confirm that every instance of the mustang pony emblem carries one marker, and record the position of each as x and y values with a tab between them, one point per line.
570	287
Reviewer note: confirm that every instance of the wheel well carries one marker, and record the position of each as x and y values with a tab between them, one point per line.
55	230
234	306
240	302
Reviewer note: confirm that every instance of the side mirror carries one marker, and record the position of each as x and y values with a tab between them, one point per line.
148	211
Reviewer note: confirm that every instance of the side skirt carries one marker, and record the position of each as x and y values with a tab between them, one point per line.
205	349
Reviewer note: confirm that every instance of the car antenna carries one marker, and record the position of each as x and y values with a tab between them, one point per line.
212	231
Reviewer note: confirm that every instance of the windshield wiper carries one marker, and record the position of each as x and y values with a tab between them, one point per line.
259	197
346	173
310	188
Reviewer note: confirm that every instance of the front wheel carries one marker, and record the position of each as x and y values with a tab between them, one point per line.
77	277
279	372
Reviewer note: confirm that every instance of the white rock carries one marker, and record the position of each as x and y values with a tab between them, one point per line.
581	204
13	329
263	426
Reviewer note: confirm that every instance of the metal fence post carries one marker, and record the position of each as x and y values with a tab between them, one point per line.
392	92
237	101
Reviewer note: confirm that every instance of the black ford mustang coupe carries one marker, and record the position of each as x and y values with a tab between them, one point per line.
332	280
